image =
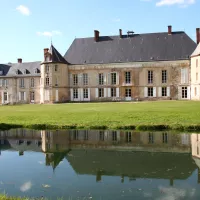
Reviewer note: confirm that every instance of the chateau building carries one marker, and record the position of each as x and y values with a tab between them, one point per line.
129	67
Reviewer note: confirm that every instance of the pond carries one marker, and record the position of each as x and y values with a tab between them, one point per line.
100	165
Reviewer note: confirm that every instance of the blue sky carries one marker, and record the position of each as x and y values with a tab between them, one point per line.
28	25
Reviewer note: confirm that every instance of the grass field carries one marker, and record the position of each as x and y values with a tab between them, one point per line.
179	115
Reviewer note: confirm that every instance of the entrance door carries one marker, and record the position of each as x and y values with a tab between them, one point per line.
32	97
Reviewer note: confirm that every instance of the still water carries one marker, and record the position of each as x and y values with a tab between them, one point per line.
100	165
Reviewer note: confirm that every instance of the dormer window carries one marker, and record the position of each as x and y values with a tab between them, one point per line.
17	71
37	71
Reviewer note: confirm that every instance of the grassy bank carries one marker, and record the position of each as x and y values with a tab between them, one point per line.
175	115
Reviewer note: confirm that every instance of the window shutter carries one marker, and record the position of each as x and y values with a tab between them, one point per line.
97	79
145	92
71	80
97	92
19	96
109	78
117	92
80	94
105	92
104	79
71	95
160	92
186	75
24	96
117	78
188	92
168	91
2	100
154	91
182	75
109	92
88	94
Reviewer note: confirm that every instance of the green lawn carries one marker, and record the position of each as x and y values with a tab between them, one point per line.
155	115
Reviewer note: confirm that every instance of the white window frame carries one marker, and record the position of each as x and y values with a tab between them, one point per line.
128	92
113	92
21	83
101	78
85	79
75	79
150	92
46	68
101	92
47	81
113	78
85	93
184	92
32	82
75	93
164	76
164	92
150	76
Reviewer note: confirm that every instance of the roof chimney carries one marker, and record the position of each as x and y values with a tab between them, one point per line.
169	30
46	50
198	35
120	33
19	60
96	35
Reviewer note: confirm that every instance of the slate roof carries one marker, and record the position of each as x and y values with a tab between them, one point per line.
196	51
56	57
23	69
135	48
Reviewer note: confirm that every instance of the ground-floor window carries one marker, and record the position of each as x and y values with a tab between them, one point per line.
151	138
101	135
22	95
184	93
5	96
128	92
113	92
114	135
32	96
85	93
165	137
164	91
150	91
75	93
101	92
128	137
46	95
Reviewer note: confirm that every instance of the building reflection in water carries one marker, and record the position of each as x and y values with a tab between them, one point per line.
111	153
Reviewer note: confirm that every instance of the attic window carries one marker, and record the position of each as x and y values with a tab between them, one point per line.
37	71
17	71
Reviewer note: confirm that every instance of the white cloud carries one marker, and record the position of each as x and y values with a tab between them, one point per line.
49	33
116	20
26	186
23	10
182	3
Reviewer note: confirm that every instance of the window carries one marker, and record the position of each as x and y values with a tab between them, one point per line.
165	137
75	93
195	91
151	138
101	92
21	82
32	82
197	62
75	79
22	94
197	76
85	93
164	76
46	95
5	96
184	92
164	91
4	82
75	134
128	137
32	96
85	79
128	92
56	83
150	77
56	68
113	92
101	135
47	68
113	78
1	72
85	135
37	71
127	77
184	75
47	81
114	135
101	79
150	91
